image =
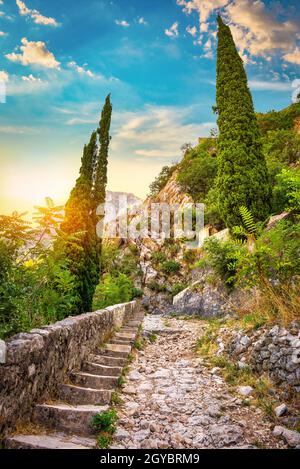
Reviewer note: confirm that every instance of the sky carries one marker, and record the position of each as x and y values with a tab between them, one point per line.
59	59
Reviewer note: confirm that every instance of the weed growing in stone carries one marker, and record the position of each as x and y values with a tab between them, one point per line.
105	426
152	338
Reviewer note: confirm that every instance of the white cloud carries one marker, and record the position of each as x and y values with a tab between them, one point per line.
123	23
270	85
204	7
37	17
293	57
172	31
16	130
34	53
257	31
142	20
192	30
31	78
4	76
81	70
156	131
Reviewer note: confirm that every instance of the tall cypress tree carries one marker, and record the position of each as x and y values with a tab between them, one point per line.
242	172
101	167
77	223
80	220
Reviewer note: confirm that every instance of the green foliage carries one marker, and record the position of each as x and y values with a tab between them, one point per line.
152	337
105	425
197	172
279	120
158	257
113	290
139	344
177	288
276	256
223	257
242	172
170	267
189	256
137	293
36	285
282	145
106	421
80	213
161	180
287	191
157	287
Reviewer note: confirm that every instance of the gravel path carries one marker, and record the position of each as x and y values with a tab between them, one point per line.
171	400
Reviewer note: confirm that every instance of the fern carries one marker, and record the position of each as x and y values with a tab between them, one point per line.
248	220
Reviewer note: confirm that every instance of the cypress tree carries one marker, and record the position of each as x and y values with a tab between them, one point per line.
101	167
242	172
84	251
77	223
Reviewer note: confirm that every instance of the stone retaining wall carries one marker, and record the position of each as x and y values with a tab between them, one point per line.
38	361
273	350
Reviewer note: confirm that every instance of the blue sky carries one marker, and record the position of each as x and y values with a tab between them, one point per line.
60	58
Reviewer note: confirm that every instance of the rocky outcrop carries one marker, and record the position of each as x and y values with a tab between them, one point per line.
203	300
172	194
39	361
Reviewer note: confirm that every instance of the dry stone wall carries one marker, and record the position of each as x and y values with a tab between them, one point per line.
38	361
273	350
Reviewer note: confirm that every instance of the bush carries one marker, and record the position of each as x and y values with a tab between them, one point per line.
36	285
113	290
223	257
274	267
158	257
137	293
286	194
198	169
178	288
157	287
161	180
170	267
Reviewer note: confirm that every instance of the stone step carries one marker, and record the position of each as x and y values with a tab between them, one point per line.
75	419
125	335
101	370
77	395
119	351
50	441
87	380
121	341
108	360
133	324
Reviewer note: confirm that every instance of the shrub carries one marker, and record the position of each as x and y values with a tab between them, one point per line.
177	288
158	257
161	180
223	257
170	267
113	290
155	286
137	293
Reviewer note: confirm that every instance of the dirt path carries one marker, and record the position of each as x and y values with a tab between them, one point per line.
171	400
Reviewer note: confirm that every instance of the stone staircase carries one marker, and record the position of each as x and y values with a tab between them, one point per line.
65	423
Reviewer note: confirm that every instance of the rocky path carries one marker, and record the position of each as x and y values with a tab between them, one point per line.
171	400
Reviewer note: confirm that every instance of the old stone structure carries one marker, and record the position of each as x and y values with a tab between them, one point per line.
38	362
275	351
